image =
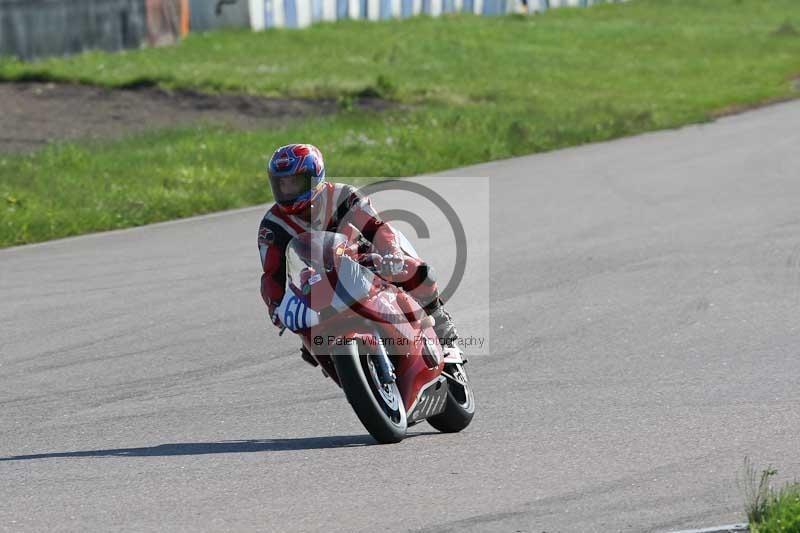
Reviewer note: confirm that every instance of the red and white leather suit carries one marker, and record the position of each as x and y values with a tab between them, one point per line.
339	208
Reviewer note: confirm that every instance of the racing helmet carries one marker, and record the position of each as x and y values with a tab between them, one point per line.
296	174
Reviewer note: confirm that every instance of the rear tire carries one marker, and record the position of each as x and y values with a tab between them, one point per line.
379	407
460	405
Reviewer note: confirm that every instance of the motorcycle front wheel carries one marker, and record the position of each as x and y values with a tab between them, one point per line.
379	406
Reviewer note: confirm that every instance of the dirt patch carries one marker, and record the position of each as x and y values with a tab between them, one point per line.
786	29
33	114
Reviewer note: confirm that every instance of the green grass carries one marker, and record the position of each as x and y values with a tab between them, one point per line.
783	513
478	89
770	510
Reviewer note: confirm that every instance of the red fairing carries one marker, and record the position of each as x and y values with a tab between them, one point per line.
413	374
411	368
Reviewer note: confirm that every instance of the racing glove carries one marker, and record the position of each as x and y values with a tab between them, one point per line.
392	264
273	316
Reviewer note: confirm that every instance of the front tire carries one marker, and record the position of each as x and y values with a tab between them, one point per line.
460	405
379	407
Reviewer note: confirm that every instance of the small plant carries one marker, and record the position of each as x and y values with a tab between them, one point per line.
757	490
770	510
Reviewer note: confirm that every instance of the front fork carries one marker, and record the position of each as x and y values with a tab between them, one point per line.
383	365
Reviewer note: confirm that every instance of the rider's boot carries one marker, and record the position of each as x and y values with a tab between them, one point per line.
307	357
444	328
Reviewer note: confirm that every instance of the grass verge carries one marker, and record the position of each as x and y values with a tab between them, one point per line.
770	510
481	89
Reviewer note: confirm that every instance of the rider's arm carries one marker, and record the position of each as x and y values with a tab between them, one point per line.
358	211
272	263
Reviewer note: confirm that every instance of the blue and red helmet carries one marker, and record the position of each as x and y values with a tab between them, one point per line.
296	173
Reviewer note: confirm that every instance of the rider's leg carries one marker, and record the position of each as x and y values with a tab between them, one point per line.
444	328
307	357
420	282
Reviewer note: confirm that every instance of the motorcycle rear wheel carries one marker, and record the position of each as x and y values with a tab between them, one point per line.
379	407
460	405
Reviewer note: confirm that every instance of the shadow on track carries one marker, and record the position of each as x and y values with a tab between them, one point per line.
205	448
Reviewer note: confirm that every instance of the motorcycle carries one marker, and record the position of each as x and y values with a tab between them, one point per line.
372	338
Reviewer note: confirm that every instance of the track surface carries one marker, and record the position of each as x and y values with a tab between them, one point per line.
645	329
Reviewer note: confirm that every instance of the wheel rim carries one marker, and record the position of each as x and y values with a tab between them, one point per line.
388	395
458	385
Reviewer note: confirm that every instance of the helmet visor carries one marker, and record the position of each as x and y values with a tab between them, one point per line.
287	189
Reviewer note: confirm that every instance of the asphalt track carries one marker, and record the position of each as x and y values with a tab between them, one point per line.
645	335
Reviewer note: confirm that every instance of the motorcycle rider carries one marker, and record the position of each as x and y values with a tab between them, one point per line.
305	201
